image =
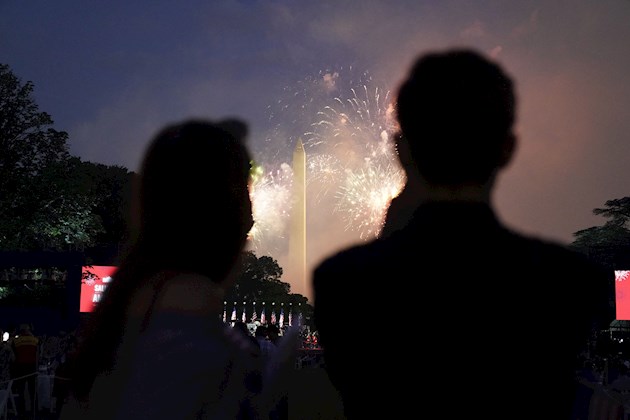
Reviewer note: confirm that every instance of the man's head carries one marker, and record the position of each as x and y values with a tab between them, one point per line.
241	326
273	332
24	329
261	332
456	109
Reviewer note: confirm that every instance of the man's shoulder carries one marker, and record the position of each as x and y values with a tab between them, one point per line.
547	252
341	271
353	257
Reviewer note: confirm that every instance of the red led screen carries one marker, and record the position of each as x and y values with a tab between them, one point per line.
622	294
94	281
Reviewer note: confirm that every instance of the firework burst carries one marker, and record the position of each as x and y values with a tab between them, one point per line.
354	132
271	202
365	195
346	124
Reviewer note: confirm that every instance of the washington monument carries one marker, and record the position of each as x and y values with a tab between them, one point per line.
297	234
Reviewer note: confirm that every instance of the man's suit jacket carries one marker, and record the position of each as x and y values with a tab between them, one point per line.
458	315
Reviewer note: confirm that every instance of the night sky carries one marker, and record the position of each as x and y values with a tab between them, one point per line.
112	73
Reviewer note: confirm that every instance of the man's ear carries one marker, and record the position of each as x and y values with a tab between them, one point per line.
508	150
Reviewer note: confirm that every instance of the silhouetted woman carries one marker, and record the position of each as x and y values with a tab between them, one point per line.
156	346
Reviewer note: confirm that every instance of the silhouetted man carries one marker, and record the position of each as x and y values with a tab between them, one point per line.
477	319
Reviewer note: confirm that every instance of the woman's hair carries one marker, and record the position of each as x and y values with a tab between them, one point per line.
194	214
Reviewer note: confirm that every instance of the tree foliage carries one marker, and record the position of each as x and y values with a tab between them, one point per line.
30	152
106	192
48	199
609	243
259	281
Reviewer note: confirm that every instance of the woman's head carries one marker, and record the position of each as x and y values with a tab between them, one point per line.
193	193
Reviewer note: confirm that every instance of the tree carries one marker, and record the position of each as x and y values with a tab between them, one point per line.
259	280
30	151
610	242
106	192
48	199
63	217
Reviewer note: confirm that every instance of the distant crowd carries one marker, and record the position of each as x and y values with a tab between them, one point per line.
25	354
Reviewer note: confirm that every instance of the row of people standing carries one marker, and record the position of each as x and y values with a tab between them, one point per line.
156	348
